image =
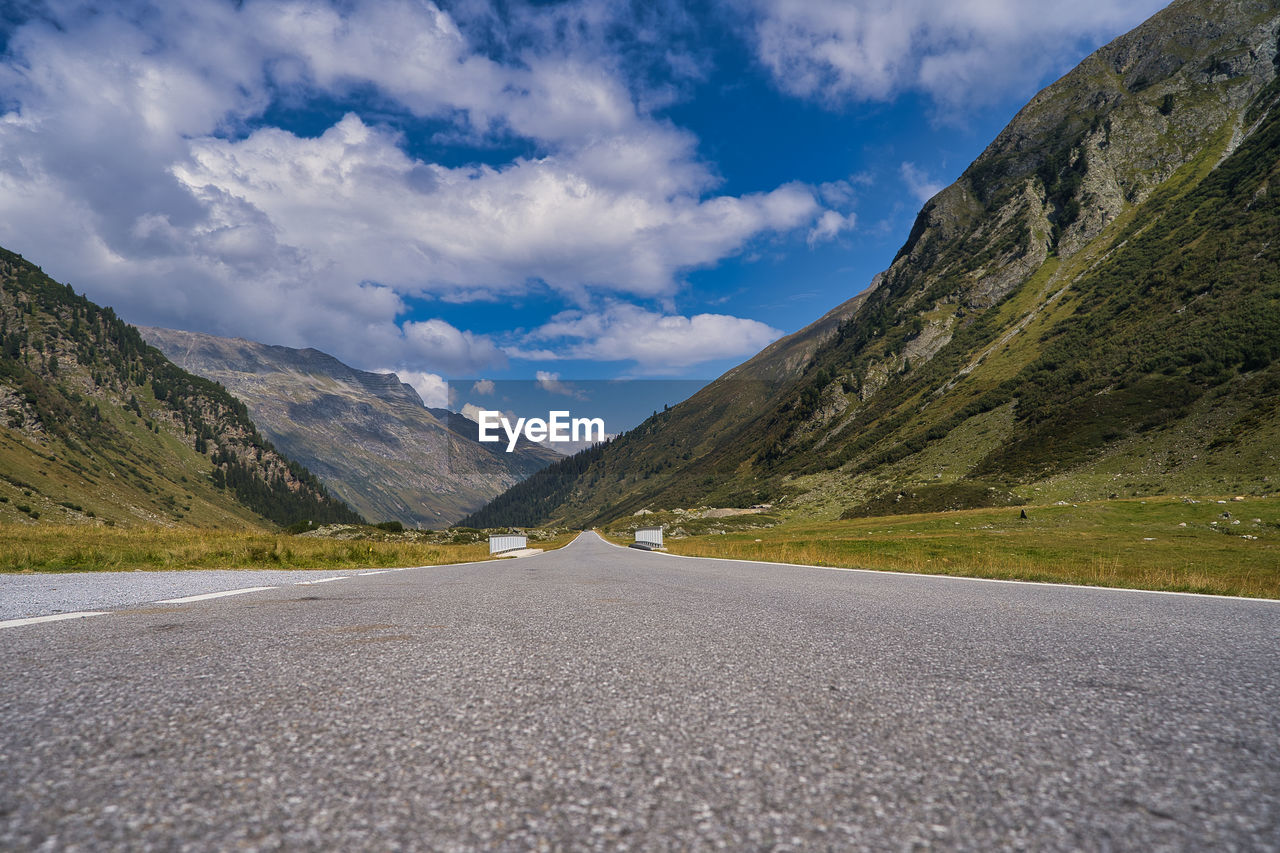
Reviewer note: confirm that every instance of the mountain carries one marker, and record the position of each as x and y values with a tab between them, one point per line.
1091	310
96	426
367	436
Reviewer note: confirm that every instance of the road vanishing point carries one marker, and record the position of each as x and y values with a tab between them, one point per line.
600	698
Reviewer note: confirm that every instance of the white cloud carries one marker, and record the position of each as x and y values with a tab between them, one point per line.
433	389
128	168
830	225
455	351
609	216
657	342
919	184
959	52
550	382
483	387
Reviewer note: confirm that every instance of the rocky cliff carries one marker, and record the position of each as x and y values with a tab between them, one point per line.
366	435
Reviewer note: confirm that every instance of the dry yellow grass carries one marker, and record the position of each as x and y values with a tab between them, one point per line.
54	548
1165	544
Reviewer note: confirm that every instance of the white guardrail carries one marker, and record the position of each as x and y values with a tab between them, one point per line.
511	542
651	536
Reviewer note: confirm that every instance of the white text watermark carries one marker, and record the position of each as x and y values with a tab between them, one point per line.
558	427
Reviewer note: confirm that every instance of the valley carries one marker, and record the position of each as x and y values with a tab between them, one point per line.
1091	312
1085	327
928	356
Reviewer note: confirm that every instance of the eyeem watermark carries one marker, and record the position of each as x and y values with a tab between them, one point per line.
558	427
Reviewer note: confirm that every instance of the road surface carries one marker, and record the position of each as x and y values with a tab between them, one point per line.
603	698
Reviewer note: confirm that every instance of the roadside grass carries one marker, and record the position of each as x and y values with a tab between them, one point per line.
1137	544
78	548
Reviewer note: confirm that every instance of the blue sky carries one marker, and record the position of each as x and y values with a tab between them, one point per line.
588	189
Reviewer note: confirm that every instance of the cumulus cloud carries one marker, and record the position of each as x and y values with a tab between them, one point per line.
550	382
454	350
609	215
919	184
433	389
471	412
658	342
483	387
134	162
830	225
959	52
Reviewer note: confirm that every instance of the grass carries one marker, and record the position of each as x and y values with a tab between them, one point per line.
80	548
1123	543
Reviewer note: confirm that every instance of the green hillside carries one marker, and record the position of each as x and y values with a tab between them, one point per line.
1091	310
98	427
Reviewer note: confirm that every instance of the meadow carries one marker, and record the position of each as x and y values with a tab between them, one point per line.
1207	545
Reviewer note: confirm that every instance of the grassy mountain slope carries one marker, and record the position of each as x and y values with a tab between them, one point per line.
96	426
1090	310
658	456
366	435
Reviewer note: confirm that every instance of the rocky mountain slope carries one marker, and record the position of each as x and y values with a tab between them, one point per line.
366	435
1092	309
98	427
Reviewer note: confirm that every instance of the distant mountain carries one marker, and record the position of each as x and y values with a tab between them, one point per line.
1092	309
97	426
368	436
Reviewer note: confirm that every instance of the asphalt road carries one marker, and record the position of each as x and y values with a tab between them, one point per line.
604	698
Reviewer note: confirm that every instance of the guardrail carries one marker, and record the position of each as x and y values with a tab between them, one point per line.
507	542
651	536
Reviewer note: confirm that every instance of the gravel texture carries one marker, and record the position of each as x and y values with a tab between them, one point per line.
601	698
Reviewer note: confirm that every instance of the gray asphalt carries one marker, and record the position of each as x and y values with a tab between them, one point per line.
604	698
23	596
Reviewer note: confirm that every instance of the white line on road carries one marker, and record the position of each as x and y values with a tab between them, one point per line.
322	580
378	572
57	617
850	570
208	595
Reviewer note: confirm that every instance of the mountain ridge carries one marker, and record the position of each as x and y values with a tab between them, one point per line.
368	436
956	353
99	427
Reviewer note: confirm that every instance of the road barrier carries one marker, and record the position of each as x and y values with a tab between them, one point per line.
651	536
507	542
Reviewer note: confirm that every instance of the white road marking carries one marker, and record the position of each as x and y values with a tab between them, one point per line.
378	572
954	577
208	595
57	617
322	580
